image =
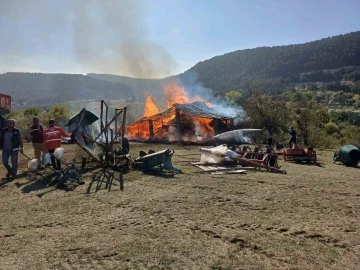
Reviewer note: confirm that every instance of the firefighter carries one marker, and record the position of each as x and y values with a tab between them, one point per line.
52	138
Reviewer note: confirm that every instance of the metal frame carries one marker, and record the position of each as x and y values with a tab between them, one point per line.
105	124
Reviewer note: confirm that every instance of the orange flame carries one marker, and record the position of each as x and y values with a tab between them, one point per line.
150	107
175	94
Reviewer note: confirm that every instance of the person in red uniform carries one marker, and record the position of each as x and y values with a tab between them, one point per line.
52	138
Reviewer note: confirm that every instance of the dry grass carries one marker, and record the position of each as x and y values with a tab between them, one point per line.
307	219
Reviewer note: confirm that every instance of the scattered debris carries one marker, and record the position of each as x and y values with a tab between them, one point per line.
213	169
70	174
61	177
222	155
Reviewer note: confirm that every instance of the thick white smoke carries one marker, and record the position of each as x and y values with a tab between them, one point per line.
112	36
104	36
189	80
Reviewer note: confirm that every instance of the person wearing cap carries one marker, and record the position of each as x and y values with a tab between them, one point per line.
52	138
37	139
11	143
292	134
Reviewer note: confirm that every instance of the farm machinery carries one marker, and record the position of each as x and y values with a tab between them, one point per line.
300	154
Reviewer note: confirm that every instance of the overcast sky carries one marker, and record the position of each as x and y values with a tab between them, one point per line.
155	38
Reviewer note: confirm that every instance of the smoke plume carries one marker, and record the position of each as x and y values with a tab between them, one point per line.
193	87
105	36
115	39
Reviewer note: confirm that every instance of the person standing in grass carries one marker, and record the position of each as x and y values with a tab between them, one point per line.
268	137
37	139
11	144
52	138
292	134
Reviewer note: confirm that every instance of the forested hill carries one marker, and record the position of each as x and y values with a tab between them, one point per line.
40	88
275	67
271	68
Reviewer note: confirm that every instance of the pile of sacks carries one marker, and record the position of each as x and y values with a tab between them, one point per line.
34	164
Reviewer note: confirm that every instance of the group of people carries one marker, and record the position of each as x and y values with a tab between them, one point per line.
43	141
291	132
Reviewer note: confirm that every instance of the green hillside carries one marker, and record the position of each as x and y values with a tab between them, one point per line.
276	67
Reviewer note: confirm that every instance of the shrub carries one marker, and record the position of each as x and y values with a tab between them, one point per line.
331	128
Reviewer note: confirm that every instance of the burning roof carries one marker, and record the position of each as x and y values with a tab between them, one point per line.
201	109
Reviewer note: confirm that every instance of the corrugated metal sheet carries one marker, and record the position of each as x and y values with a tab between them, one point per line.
200	109
88	118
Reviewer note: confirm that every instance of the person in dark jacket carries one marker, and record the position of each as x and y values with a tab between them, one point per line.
37	139
292	134
11	143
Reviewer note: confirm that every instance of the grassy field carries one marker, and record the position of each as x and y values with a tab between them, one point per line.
305	219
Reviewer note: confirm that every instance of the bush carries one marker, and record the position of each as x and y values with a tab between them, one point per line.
331	128
32	112
321	139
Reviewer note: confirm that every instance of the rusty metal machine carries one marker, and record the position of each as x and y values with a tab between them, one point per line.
299	154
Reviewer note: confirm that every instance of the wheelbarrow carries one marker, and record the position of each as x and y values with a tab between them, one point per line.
157	161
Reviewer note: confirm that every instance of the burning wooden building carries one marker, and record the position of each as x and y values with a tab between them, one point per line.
191	122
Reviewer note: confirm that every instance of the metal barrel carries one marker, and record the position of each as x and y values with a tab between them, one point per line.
349	155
